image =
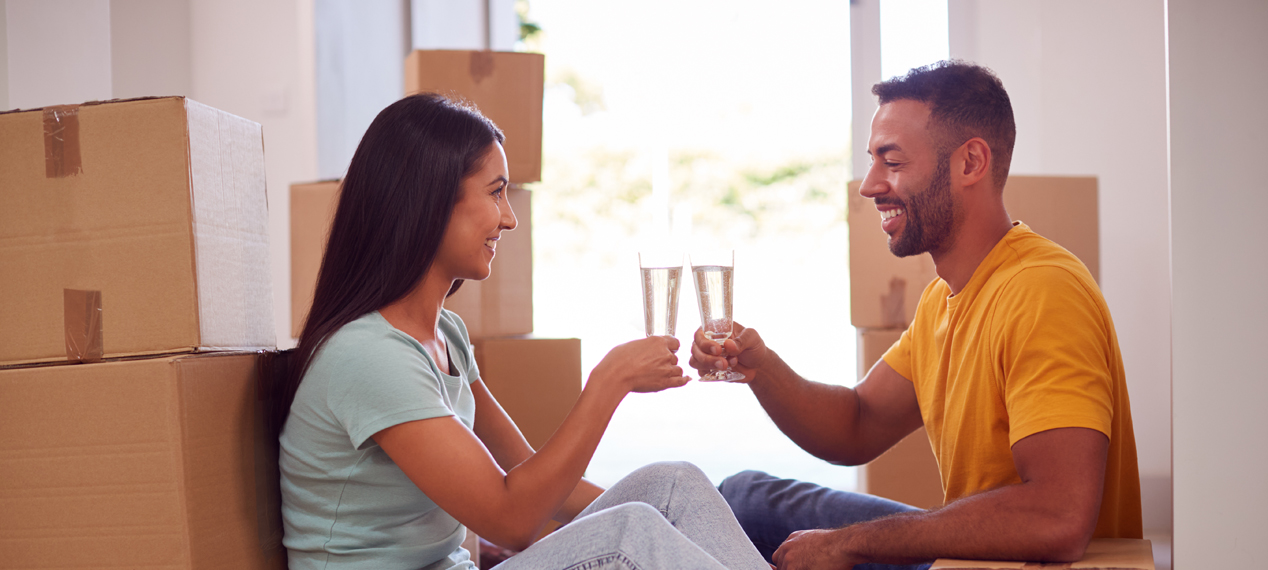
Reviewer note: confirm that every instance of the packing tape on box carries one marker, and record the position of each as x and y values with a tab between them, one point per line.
893	303
61	141
270	374
82	316
480	66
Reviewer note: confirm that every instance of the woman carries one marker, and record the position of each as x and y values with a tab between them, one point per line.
393	444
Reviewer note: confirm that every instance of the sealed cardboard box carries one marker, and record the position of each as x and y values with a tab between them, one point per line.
507	87
908	472
501	305
536	380
884	289
130	228
1102	554
312	212
166	462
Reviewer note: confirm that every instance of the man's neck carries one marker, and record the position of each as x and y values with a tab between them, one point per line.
971	244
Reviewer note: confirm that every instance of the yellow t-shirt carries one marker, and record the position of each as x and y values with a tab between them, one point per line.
1027	346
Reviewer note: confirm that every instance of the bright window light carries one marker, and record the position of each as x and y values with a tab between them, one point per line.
723	125
913	33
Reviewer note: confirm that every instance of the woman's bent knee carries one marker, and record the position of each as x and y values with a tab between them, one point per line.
666	470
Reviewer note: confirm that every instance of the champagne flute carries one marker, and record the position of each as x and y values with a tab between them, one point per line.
662	273
714	276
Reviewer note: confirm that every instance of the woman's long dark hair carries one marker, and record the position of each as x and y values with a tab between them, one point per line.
394	207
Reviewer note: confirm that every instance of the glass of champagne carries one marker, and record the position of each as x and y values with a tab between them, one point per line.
662	272
714	276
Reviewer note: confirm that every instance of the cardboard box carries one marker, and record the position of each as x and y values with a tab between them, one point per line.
153	209
312	212
166	462
1102	554
884	289
536	380
501	305
908	472
507	87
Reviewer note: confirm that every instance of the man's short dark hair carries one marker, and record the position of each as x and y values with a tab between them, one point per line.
965	101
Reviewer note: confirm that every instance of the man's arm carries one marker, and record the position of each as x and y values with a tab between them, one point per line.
846	426
1049	516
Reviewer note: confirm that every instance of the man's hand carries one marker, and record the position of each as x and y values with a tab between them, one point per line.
816	549
744	352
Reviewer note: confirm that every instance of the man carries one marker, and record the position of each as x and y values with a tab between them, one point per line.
1011	364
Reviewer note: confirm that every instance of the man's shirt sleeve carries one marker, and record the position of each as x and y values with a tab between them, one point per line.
1054	353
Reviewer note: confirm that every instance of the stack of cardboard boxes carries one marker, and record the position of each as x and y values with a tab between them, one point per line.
136	339
536	380
884	292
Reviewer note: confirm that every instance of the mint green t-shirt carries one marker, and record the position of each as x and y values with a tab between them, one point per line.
345	504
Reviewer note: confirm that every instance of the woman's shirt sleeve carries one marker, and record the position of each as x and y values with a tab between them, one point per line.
378	381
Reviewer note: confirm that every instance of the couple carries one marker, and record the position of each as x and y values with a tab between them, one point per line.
393	445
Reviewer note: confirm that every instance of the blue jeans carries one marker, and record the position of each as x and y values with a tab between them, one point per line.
662	516
769	509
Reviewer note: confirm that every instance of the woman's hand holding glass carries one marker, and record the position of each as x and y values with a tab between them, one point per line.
645	365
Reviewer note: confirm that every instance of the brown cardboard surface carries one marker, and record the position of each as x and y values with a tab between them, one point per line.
166	217
536	380
1102	554
908	472
312	212
884	290
155	463
507	87
501	305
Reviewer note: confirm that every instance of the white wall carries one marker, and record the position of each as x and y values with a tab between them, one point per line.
58	51
360	55
460	24
1087	83
149	47
1219	196
865	71
4	57
254	58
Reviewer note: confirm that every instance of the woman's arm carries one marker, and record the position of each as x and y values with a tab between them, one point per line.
509	448
453	467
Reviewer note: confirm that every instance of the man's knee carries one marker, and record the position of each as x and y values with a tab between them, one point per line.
740	483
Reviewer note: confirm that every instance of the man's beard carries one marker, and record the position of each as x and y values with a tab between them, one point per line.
930	215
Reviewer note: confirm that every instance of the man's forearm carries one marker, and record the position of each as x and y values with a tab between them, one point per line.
1017	522
820	418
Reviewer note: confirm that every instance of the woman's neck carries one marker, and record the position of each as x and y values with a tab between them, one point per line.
418	312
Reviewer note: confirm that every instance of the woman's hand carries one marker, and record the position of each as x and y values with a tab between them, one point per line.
644	365
744	352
